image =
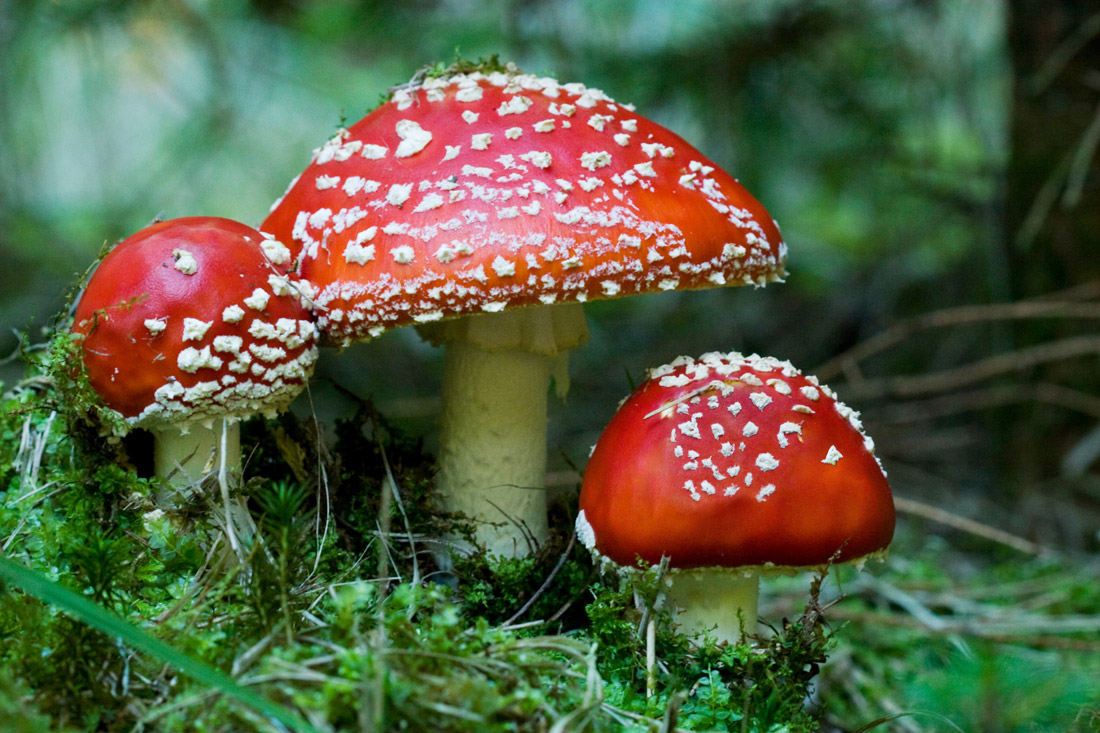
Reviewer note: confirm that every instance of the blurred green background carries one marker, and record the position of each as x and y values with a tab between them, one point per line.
921	157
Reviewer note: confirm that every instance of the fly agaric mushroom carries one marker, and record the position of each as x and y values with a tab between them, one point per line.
503	201
729	465
189	325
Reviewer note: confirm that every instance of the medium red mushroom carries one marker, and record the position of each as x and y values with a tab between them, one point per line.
730	465
486	207
190	325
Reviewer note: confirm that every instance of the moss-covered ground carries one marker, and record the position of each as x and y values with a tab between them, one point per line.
120	611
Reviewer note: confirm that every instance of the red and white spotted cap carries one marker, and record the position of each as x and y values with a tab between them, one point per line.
734	461
194	319
476	192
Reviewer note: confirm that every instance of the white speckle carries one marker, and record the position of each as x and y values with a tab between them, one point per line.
398	194
429	202
630	125
690	428
717	430
495	307
374	152
810	393
733	252
358	253
622	139
689	485
750	429
258	299
832	456
233	313
514	106
319	218
470	93
414	138
276	252
610	288
786	429
533	208
766	462
765	492
628	240
228	344
687	180
503	267
585	533
543	126
707	487
508	212
403	254
185	262
597	121
194	329
735	408
513	133
780	386
473	170
760	399
191	360
590	184
279	284
452	152
481	141
727	450
470	117
325	182
537	158
595	159
646	169
156	326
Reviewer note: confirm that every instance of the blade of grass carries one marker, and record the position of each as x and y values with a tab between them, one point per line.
79	607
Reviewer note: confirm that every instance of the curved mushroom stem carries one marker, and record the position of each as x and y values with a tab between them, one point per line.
716	599
183	456
492	440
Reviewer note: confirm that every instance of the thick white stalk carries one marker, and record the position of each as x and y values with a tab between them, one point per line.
715	599
492	444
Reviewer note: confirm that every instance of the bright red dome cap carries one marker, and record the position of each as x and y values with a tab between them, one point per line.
734	461
476	192
194	319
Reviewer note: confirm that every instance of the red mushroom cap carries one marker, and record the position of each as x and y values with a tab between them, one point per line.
193	319
734	461
477	192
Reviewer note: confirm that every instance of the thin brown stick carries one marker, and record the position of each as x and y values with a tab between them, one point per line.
958	316
963	524
978	371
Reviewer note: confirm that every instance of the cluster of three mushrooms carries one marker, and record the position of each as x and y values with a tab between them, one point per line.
486	208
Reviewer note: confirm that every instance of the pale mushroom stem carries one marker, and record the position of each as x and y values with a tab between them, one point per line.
183	458
492	445
492	439
718	600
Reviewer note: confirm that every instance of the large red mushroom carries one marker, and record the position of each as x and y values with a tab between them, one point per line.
729	465
485	206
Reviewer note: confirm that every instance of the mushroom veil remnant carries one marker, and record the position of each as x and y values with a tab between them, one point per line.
729	465
189	325
485	206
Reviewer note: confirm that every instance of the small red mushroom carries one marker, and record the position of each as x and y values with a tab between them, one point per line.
189	325
485	208
728	465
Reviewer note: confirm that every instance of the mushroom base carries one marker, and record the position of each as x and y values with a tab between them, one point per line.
714	599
